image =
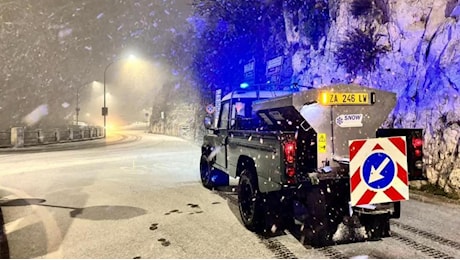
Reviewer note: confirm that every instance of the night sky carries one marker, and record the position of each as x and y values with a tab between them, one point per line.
49	48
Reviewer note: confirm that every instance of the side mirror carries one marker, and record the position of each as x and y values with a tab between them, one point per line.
208	122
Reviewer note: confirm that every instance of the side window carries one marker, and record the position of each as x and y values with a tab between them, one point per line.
223	121
238	113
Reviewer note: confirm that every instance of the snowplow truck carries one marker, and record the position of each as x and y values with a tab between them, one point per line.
290	153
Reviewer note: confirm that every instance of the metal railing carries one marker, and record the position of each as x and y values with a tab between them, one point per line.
5	139
29	137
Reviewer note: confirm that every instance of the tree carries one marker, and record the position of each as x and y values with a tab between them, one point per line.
228	34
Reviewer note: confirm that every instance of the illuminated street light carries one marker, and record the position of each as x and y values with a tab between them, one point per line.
105	110
77	108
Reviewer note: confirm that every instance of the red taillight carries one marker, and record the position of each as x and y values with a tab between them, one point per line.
417	142
289	159
289	151
290	171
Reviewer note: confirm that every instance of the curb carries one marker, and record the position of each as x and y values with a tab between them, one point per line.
4	249
431	198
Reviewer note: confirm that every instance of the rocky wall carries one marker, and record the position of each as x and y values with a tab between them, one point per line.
418	57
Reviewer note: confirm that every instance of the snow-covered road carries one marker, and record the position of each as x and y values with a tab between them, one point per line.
143	198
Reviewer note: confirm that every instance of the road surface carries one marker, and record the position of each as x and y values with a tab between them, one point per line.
141	197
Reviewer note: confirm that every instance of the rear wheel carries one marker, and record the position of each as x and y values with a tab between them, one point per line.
250	202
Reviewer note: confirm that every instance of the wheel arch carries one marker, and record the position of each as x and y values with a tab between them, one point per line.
206	150
245	162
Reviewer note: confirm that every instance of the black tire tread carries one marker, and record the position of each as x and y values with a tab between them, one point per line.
257	222
207	182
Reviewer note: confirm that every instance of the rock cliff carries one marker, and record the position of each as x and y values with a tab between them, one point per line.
409	47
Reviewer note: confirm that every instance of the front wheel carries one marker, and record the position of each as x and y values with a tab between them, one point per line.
210	177
250	202
206	172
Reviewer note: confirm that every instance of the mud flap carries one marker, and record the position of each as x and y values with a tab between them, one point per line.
321	208
278	213
316	228
377	226
397	210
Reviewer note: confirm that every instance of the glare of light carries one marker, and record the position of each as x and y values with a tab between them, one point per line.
97	84
244	85
110	129
323	98
36	115
131	65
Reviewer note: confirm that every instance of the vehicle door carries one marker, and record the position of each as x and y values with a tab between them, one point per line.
222	136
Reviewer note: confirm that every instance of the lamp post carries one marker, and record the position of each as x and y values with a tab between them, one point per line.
105	109
77	108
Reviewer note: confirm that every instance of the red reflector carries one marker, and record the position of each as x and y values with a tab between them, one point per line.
417	142
289	151
290	171
418	153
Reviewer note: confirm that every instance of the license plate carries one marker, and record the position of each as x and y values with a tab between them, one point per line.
344	98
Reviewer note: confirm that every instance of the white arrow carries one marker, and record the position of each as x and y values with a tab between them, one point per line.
375	173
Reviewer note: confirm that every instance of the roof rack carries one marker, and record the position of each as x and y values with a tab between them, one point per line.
266	90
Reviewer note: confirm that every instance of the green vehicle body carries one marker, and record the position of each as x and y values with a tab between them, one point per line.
270	140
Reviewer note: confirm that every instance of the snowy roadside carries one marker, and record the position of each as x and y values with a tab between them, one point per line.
427	197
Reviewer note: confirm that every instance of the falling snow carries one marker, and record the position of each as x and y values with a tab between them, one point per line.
49	50
49	58
65	32
36	115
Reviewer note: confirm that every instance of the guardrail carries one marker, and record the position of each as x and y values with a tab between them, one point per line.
5	139
18	137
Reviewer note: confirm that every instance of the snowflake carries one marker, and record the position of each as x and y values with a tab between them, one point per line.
339	120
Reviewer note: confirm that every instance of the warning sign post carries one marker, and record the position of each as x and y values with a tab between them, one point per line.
378	170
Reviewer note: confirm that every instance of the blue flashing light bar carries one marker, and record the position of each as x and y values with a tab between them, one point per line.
244	85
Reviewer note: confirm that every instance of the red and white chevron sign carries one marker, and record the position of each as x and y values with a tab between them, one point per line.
378	169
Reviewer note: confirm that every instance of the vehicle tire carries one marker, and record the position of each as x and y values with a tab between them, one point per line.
397	210
250	202
206	172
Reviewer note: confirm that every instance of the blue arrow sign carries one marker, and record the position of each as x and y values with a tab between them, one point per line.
378	170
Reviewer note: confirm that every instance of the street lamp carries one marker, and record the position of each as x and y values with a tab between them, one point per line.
77	108
105	109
